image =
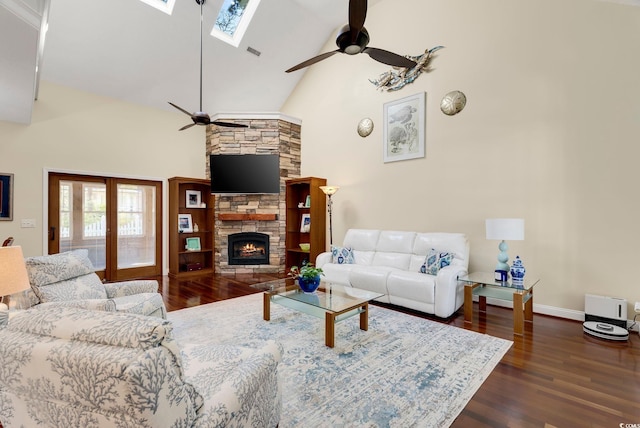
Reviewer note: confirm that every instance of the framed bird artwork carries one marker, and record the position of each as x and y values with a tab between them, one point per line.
404	128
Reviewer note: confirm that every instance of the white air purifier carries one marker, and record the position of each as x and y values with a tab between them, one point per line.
605	317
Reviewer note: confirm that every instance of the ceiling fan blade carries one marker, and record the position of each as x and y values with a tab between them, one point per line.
389	58
186	126
180	108
229	124
311	61
357	16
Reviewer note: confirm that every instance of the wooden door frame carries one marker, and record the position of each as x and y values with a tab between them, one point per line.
111	249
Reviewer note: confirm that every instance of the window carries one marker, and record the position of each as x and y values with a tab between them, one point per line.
233	20
94	206
165	6
66	207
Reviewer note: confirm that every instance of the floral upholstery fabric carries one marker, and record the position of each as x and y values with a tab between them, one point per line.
239	385
70	276
64	276
79	368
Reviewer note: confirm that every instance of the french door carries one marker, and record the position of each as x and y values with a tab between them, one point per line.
118	220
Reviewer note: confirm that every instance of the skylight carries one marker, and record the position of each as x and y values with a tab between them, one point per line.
233	20
165	6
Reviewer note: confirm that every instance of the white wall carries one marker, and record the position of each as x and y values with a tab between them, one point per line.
80	132
549	134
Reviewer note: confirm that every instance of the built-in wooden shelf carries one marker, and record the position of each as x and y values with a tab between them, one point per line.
247	217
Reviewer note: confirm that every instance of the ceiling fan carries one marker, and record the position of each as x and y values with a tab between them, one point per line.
353	39
200	117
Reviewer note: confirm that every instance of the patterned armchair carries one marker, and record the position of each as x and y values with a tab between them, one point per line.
74	367
69	279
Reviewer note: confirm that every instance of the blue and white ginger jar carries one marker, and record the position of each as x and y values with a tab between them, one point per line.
517	270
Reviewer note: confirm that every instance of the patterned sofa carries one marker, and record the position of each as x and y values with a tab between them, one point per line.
69	279
72	367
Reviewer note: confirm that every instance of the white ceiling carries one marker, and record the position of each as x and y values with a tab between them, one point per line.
128	50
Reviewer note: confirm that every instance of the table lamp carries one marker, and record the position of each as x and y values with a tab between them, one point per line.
13	274
504	229
329	191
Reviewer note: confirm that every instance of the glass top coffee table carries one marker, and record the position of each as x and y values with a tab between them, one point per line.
332	302
483	285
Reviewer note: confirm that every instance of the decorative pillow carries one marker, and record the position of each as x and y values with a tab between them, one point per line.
342	255
435	261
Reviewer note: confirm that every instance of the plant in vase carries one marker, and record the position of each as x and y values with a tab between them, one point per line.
308	277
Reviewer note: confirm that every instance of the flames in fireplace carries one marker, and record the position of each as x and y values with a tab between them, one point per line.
248	248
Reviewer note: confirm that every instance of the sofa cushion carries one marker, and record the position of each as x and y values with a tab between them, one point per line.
395	241
372	278
361	239
394	260
434	261
412	286
342	255
64	276
43	270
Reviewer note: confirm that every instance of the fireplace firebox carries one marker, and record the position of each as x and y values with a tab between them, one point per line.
248	248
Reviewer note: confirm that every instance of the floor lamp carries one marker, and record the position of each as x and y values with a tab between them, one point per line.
329	191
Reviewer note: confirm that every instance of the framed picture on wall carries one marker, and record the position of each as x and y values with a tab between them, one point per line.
193	199
185	225
404	128
6	196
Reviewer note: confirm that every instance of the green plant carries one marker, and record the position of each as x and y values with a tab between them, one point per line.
307	271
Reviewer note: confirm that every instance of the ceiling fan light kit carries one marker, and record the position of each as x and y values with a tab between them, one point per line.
354	38
200	117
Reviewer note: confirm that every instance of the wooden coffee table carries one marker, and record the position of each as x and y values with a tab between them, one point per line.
332	302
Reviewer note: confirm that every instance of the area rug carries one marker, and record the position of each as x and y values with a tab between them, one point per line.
404	371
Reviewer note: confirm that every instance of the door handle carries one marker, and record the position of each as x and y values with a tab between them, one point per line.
52	233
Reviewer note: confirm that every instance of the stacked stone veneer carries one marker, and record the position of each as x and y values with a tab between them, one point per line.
263	136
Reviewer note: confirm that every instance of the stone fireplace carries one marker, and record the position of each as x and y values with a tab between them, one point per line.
262	214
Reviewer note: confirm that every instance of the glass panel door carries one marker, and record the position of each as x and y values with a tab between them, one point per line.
136	226
119	221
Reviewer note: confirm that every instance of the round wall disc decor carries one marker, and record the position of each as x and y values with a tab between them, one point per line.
453	103
365	127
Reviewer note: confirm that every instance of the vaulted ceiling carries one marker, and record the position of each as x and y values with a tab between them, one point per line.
128	50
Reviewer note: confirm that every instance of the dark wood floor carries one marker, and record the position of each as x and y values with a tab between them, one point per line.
554	376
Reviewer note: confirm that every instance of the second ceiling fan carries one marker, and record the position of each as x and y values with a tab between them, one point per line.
353	39
200	117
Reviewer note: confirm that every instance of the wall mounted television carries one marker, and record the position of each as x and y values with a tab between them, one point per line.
242	174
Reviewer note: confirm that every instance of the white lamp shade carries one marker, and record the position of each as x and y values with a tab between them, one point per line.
329	190
505	229
13	271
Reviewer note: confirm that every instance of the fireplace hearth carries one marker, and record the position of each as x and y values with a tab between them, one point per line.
248	248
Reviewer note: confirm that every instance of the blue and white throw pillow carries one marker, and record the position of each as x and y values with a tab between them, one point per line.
435	261
342	255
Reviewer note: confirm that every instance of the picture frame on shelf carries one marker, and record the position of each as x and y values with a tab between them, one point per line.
193	199
305	223
404	128
6	197
193	244
307	202
185	224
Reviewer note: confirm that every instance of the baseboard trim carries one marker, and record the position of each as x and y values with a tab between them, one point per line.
553	311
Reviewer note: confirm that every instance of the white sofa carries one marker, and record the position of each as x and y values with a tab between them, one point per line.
390	262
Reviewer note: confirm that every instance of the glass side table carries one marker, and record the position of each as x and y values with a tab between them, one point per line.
483	285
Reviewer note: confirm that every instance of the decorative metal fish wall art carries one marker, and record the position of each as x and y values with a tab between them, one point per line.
398	77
